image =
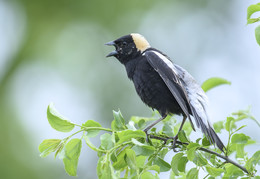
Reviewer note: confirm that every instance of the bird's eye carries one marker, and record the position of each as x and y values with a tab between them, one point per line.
124	44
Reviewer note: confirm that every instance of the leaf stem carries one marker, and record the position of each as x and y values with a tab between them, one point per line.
226	158
94	128
74	134
117	146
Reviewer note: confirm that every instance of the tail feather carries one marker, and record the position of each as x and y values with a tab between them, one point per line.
215	139
208	131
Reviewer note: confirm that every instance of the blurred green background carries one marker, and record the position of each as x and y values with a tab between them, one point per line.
53	51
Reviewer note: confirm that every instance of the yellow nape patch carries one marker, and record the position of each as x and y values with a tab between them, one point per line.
140	42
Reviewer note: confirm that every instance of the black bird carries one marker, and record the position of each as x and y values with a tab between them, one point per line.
162	85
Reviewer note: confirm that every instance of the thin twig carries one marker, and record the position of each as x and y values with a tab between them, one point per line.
228	160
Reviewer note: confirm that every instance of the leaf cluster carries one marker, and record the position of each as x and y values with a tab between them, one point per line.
126	152
252	9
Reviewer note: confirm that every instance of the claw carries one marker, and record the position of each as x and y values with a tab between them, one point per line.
174	144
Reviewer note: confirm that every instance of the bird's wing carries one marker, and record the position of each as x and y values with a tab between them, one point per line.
168	73
198	100
199	103
186	91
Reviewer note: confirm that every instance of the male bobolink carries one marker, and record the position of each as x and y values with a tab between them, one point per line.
162	85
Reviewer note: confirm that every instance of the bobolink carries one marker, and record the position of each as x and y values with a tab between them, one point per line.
162	85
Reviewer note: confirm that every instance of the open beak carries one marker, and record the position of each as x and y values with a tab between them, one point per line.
112	43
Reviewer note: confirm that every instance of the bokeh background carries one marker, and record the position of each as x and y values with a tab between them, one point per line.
52	51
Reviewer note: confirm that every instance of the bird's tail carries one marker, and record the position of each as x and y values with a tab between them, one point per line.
208	130
215	139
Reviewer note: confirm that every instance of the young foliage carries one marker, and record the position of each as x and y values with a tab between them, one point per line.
250	11
126	151
213	82
57	121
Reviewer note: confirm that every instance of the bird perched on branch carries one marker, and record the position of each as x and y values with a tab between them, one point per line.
163	85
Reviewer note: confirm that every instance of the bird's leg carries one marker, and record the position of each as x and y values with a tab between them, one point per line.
176	136
153	124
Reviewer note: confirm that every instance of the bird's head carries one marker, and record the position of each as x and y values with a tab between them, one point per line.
128	47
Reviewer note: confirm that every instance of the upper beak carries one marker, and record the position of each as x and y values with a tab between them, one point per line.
112	43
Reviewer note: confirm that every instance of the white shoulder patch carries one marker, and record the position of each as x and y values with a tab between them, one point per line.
166	61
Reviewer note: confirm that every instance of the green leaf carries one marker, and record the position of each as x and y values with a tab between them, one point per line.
104	168
72	152
214	171
240	150
57	121
92	132
252	9
136	142
232	171
140	161
252	20
244	114
163	152
228	123
182	164
141	124
127	135
48	146
131	159
213	159
106	141
182	136
119	120
199	160
120	162
147	175
239	128
145	150
59	149
240	138
211	177
255	159
164	166
218	126
193	174
192	150
257	35
137	119
167	129
205	142
154	167
91	145
213	82
131	126
172	175
175	162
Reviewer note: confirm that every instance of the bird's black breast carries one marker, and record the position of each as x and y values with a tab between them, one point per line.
150	87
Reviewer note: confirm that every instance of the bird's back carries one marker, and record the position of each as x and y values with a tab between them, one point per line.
151	88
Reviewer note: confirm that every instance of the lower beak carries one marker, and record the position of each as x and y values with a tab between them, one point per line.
112	43
112	54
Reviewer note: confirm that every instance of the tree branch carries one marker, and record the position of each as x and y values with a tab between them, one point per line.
228	160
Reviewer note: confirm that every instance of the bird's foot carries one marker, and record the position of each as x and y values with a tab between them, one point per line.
174	143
